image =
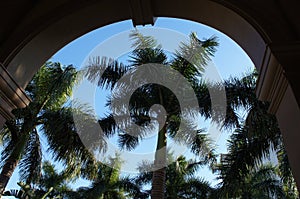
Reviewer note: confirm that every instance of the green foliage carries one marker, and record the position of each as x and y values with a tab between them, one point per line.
49	91
253	137
285	172
51	87
52	185
241	171
249	147
31	160
181	179
107	184
195	52
141	41
65	144
147	51
260	182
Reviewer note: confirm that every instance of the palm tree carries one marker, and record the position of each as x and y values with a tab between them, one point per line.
182	182
108	184
181	179
49	91
240	93
147	51
250	145
26	192
261	182
52	182
51	185
285	172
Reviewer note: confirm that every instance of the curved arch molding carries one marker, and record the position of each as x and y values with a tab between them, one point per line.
32	31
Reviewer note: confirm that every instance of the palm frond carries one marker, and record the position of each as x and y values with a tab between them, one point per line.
52	85
249	145
148	56
240	92
30	164
104	72
127	141
266	179
285	173
64	142
20	194
197	52
133	188
141	41
6	150
195	188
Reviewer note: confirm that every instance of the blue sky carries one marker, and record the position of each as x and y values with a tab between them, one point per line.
230	59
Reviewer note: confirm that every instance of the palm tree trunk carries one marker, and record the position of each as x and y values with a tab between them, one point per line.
6	173
12	162
159	174
158	184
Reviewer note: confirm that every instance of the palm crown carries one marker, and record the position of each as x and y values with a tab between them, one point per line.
190	61
45	115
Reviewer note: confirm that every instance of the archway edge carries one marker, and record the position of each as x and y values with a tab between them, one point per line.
267	30
27	57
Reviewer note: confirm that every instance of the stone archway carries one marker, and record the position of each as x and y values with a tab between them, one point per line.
267	30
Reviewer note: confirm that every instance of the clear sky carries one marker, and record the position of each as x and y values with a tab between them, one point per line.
230	59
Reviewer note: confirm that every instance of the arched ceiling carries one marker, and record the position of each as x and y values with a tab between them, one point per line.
43	27
31	31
